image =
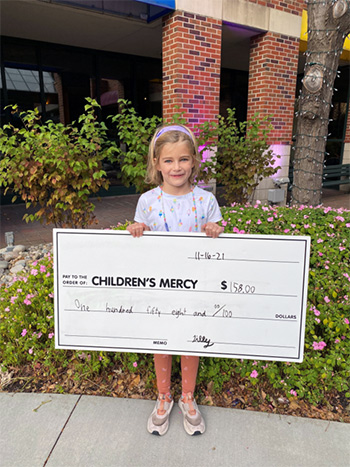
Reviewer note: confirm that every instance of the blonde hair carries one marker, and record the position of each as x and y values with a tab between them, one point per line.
170	134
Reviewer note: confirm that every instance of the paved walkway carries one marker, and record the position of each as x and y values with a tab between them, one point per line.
109	211
86	431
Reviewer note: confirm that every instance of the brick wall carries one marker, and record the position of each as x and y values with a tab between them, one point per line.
272	82
191	66
347	133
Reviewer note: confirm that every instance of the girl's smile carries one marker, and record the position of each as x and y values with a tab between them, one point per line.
175	164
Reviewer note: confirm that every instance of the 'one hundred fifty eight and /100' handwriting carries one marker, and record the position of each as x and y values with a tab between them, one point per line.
215	311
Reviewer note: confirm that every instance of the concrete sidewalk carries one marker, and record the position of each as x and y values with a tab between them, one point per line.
71	430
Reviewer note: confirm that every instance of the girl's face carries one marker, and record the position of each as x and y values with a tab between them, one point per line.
175	164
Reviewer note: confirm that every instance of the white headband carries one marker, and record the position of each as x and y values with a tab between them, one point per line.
172	128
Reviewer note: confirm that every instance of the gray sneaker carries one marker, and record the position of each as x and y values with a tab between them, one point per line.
158	421
193	421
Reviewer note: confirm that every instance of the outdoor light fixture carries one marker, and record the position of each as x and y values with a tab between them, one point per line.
9	239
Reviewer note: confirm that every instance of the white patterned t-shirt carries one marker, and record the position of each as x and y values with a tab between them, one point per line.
185	213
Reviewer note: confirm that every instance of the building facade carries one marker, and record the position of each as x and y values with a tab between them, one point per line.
202	56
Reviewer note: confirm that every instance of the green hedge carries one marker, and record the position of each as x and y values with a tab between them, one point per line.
27	324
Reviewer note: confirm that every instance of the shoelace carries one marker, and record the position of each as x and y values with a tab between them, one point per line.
188	399
163	398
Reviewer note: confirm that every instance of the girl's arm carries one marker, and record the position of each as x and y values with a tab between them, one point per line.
137	229
212	229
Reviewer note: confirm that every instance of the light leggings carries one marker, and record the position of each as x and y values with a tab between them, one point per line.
189	369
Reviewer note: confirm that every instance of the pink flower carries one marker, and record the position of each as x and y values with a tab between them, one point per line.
337	341
42	268
259	222
24	332
348	224
319	345
339	218
270	219
306	226
30	351
35	263
326	299
48	274
286	230
331	226
306	217
27	302
255	363
18	290
12	299
293	393
319	240
51	335
248	222
341	248
293	225
254	374
100	358
39	335
320	253
134	364
317	320
51	295
346	321
317	313
34	272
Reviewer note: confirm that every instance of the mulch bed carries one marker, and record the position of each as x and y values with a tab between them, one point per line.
118	383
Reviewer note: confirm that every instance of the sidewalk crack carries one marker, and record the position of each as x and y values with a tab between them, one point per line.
64	426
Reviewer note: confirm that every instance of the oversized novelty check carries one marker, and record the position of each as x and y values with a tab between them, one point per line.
240	296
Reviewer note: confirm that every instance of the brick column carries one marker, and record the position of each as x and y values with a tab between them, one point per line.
191	66
272	84
346	152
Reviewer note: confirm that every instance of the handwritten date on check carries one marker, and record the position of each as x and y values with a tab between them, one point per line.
237	296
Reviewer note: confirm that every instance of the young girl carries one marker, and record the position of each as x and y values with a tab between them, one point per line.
175	206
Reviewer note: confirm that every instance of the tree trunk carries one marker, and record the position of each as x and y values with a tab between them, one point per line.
328	25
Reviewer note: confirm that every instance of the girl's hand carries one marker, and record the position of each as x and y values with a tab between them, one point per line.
137	229
212	229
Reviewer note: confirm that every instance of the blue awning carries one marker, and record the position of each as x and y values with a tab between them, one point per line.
164	3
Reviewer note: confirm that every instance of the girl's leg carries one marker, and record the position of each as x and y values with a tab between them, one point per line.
158	421
162	365
192	418
189	369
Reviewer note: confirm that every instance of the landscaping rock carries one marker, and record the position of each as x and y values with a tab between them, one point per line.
11	255
20	260
19	248
17	268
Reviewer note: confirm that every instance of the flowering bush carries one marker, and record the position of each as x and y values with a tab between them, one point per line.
27	326
326	364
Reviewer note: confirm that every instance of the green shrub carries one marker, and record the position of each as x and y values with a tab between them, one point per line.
55	167
243	156
26	314
240	155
